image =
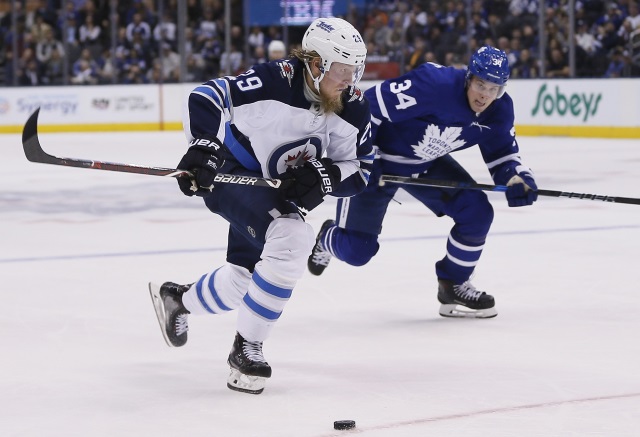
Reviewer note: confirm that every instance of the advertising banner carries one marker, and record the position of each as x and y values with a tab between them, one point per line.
294	12
582	107
605	108
94	107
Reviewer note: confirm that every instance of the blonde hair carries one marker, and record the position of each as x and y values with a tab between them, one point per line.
305	55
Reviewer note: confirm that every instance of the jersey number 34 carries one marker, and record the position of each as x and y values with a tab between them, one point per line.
404	101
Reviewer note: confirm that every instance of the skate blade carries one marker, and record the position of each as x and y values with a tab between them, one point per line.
462	312
238	381
158	306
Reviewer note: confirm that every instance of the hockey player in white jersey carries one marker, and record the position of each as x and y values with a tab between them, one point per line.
302	120
418	120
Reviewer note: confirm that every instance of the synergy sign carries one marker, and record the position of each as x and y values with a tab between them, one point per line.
60	104
561	103
112	107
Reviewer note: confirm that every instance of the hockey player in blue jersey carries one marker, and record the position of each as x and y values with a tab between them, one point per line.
302	120
418	120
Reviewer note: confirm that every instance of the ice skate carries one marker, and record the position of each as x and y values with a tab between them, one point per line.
249	370
319	258
172	315
464	300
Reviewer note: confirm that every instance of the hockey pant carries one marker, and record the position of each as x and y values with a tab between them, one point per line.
360	218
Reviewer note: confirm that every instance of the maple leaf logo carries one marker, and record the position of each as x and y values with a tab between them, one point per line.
435	143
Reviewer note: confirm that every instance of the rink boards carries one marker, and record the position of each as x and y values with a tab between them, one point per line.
570	107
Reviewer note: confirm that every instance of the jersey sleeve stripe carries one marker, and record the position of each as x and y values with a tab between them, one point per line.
366	175
380	100
209	97
523	169
513	157
368	158
216	95
222	87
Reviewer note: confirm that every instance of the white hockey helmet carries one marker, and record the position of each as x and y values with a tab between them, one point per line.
335	40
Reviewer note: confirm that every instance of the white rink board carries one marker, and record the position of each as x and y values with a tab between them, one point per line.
83	105
577	107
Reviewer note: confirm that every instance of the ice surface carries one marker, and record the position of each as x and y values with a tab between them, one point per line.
82	354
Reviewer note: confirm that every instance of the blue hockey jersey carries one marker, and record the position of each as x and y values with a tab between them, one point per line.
425	114
265	120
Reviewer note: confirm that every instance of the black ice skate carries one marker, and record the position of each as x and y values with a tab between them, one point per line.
172	315
249	370
319	258
464	300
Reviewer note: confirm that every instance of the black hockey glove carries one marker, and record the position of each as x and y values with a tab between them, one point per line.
203	158
521	190
310	182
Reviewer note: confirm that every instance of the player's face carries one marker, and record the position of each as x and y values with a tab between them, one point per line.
338	78
335	80
342	74
481	93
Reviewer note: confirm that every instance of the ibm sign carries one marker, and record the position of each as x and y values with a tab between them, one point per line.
294	12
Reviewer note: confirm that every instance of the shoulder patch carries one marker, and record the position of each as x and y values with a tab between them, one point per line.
354	93
286	70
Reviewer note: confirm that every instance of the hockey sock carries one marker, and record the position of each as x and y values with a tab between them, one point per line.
217	292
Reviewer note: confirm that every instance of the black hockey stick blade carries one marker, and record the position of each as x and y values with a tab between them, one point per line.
34	153
502	188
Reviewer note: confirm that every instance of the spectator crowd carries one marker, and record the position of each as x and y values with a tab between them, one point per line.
49	42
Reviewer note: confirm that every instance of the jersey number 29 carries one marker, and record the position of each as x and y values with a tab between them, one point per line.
250	83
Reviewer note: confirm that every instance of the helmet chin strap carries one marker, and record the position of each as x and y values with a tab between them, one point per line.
316	80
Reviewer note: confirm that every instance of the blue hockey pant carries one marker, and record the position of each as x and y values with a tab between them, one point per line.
360	219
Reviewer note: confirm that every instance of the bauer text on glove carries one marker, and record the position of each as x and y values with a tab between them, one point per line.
311	182
203	159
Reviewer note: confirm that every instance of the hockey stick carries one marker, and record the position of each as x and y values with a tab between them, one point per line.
34	153
502	188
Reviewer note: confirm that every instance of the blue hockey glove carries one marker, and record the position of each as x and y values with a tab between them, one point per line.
310	182
522	190
203	158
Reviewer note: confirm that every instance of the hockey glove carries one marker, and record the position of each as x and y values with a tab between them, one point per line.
310	182
203	159
521	190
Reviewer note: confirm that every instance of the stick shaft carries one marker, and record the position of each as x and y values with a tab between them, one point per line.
34	153
503	188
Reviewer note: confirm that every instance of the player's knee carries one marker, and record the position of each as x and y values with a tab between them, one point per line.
360	247
483	210
472	211
289	241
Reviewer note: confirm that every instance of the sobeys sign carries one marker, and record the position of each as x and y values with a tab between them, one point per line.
577	105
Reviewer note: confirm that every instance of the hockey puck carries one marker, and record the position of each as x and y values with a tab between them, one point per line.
344	424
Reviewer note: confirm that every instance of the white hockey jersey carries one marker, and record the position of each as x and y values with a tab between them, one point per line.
264	119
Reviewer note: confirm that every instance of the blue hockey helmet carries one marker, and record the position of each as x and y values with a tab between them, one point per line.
490	64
